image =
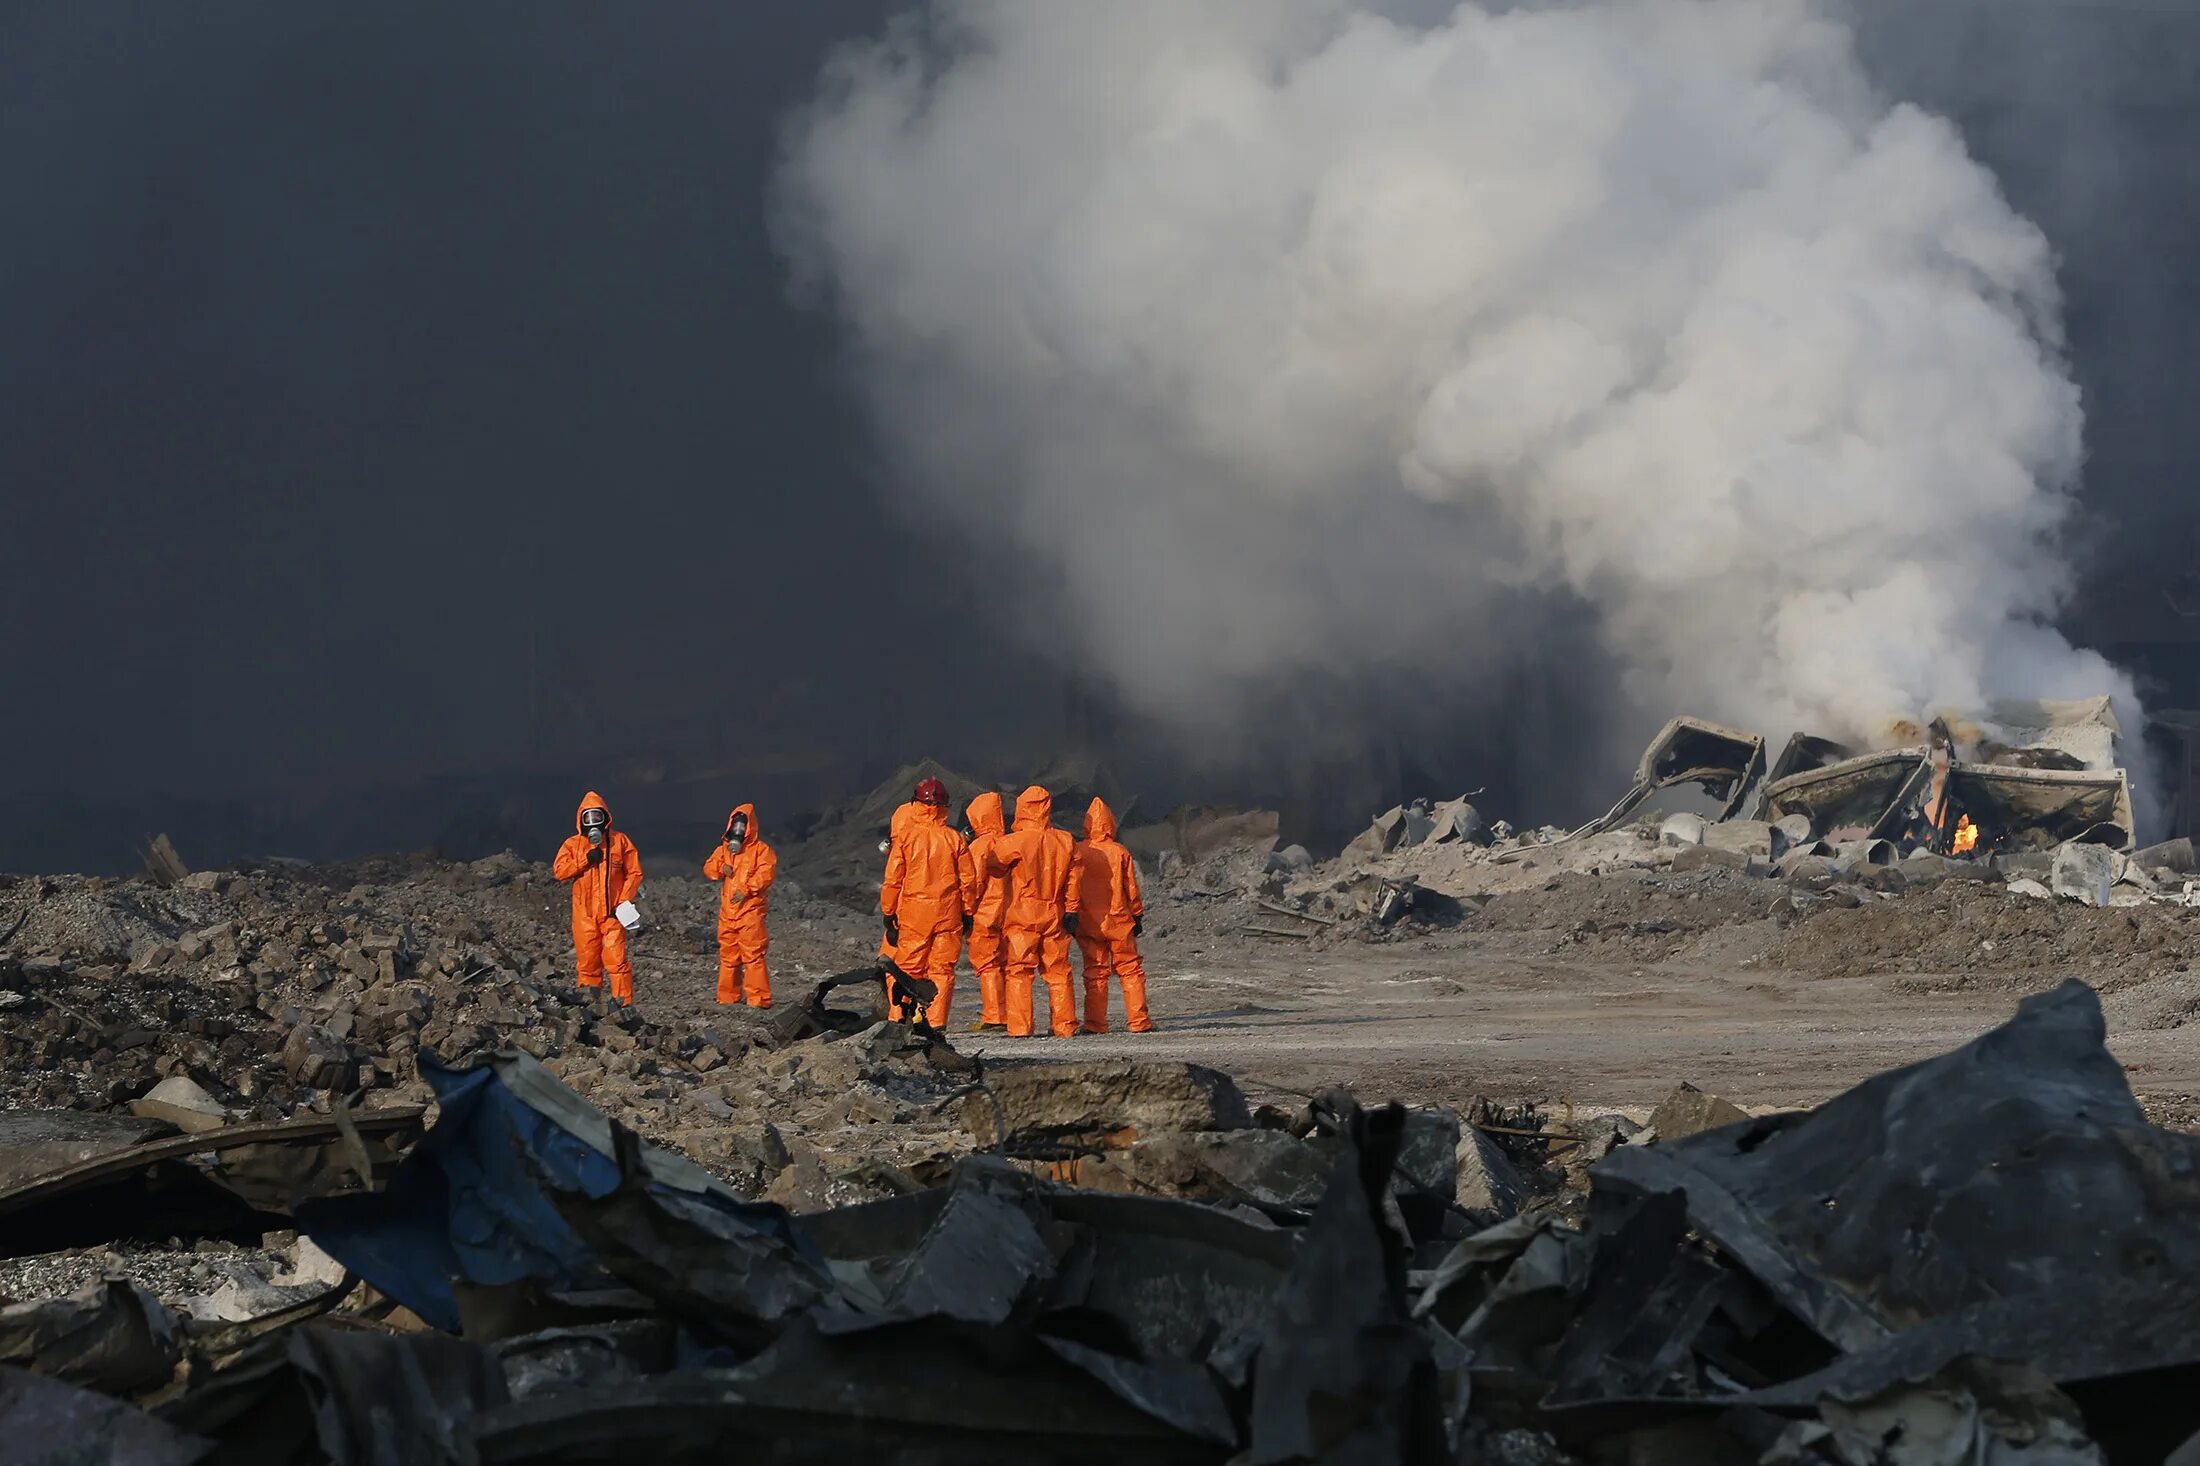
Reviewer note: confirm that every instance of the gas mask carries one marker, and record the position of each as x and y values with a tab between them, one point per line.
593	823
737	834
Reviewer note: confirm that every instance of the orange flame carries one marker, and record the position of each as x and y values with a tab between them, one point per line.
1966	836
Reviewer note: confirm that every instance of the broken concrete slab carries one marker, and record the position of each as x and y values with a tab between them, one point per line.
1488	1184
2084	873
1459	820
1385	833
1706	857
163	863
182	1103
1689	1111
1753	838
112	1336
1102	1104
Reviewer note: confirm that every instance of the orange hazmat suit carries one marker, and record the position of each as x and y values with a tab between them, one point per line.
744	879
894	827
930	886
987	826
1110	912
599	942
1040	864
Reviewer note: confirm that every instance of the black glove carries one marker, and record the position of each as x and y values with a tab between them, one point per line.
893	931
1138	926
968	923
595	855
1069	923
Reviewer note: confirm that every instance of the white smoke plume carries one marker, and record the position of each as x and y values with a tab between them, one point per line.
1269	337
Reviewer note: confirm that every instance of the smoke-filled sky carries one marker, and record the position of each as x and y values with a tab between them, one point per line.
1248	317
355	362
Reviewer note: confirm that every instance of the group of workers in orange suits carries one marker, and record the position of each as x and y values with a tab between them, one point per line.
1018	896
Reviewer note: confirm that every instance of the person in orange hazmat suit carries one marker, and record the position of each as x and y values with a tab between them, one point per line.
744	866
1040	864
605	870
987	827
894	827
927	898
1111	916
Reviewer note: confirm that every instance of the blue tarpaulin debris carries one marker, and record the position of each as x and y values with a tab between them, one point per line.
473	1203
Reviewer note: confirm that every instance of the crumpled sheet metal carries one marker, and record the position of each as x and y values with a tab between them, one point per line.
1877	793
2018	1164
162	1187
875	1398
1341	1373
731	1268
112	1336
1805	1285
1726	763
45	1422
347	1398
1008	1321
996	1317
1974	1413
2045	806
467	1206
975	1264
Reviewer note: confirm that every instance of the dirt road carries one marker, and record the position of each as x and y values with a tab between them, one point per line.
1606	993
1445	1023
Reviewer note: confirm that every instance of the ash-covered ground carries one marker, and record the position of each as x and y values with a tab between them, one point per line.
1578	977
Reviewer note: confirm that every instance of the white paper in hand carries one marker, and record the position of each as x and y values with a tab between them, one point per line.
629	918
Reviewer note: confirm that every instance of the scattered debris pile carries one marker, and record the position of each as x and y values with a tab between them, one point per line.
2032	797
1983	1258
2028	777
258	994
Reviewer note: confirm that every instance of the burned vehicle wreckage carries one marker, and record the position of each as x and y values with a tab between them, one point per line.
2024	779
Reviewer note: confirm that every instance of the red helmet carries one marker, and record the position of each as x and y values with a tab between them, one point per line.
932	791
